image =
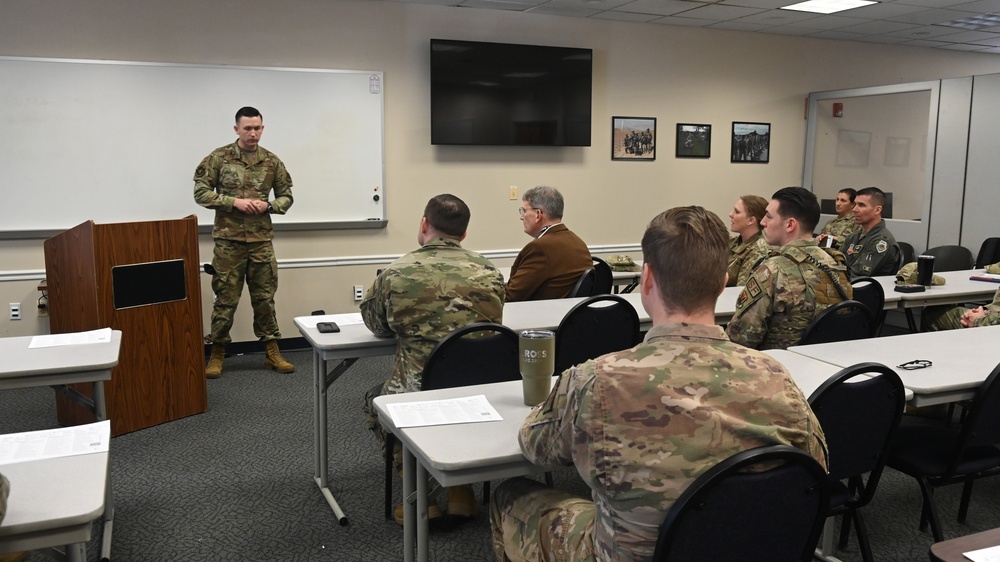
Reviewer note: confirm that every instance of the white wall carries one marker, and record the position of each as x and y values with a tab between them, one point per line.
678	75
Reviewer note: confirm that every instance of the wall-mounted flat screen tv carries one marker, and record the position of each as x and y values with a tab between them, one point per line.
504	94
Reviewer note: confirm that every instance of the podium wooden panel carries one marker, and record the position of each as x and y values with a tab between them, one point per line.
160	376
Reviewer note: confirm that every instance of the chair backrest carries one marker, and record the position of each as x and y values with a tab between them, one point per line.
472	355
728	513
859	420
846	320
906	254
989	252
982	423
603	277
951	258
869	292
584	285
594	327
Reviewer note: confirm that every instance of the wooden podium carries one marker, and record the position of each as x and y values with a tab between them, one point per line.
140	278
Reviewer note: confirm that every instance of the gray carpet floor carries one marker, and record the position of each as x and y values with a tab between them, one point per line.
235	483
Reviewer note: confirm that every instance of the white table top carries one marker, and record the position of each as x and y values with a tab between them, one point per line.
24	367
488	451
53	501
357	341
962	359
958	289
809	373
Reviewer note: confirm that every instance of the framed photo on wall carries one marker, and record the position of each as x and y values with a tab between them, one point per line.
751	143
633	138
694	141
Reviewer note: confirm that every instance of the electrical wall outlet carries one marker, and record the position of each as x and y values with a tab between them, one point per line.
15	311
513	193
359	293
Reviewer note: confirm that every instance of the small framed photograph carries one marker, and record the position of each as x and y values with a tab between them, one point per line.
694	141
633	138
751	143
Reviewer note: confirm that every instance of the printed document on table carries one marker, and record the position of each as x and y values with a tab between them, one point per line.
991	554
102	335
468	409
346	319
52	443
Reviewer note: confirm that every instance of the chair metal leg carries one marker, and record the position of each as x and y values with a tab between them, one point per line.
390	444
963	507
845	530
859	526
929	512
486	493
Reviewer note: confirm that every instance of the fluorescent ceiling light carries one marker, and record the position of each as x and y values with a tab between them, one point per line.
827	6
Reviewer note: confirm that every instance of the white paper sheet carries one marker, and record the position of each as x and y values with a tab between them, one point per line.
102	335
468	409
991	554
51	443
346	319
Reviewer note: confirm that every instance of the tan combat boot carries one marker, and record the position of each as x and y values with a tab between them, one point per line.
214	368
274	359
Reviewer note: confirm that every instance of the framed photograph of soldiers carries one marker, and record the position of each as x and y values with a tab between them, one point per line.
751	143
694	141
633	138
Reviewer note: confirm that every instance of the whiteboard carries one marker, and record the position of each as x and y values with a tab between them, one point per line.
119	141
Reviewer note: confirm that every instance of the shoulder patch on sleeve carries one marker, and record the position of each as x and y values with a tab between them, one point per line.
881	246
749	293
200	171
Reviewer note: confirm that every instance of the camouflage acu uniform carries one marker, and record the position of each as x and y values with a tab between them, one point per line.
640	426
873	253
841	227
243	249
4	491
786	293
743	257
935	318
421	298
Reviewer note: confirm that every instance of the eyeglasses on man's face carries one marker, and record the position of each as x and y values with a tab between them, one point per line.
522	210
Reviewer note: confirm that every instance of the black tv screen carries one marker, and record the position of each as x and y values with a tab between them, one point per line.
503	94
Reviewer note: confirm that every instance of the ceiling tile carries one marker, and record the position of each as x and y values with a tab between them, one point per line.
777	17
884	10
878	27
968	36
661	7
682	21
738	25
979	7
956	47
926	32
720	12
579	12
790	30
625	16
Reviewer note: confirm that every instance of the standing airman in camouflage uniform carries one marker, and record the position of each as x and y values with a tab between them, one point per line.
845	224
640	425
871	250
788	290
748	247
236	180
421	298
